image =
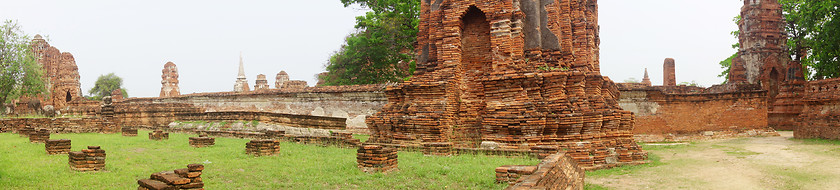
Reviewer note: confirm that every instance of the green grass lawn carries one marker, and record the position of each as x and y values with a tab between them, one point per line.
25	165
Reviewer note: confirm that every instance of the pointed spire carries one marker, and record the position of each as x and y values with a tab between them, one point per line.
646	80
241	67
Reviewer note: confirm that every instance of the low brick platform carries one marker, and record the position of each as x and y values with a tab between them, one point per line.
61	146
91	159
129	132
375	158
158	135
272	134
437	149
39	136
262	147
202	141
186	178
544	151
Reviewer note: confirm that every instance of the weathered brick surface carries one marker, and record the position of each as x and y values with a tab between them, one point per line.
557	171
158	135
820	116
39	136
202	141
61	73
91	159
261	83
259	147
670	73
375	158
54	125
129	131
60	146
517	73
437	149
169	80
185	178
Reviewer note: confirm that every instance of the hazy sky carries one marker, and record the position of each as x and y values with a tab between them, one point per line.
134	39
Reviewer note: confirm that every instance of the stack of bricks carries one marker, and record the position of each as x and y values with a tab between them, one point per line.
186	178
202	141
26	131
437	149
61	146
129	132
375	158
91	159
159	135
511	174
259	147
345	138
39	136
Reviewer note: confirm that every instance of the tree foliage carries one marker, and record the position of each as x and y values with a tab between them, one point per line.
106	84
382	49
813	27
20	73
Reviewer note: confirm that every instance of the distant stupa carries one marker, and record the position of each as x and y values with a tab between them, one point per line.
241	81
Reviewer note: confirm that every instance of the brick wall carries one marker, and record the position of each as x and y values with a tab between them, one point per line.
820	116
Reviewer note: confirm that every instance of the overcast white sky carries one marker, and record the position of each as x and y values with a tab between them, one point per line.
133	39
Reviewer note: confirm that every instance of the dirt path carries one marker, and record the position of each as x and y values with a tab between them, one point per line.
749	163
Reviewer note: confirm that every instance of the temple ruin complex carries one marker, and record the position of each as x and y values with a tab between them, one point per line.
60	72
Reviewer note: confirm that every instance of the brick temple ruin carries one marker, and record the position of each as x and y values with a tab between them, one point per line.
169	81
61	76
514	75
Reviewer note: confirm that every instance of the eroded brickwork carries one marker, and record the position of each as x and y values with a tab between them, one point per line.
557	171
819	118
519	73
185	178
261	83
281	79
60	72
670	73
169	81
91	159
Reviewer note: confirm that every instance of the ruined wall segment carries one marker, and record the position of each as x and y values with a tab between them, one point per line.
818	118
60	73
169	81
518	73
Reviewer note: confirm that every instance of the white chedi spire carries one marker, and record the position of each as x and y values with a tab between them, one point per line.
241	67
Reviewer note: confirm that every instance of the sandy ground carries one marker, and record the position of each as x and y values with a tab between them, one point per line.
748	163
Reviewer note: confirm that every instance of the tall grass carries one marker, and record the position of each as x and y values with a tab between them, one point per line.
25	165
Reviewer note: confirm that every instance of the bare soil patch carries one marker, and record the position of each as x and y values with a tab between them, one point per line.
746	163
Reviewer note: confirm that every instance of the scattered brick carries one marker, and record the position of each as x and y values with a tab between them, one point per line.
186	178
91	159
158	135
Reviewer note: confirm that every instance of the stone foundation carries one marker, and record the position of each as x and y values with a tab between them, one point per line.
91	159
437	149
129	132
556	171
262	147
186	178
202	141
375	158
39	136
61	146
159	135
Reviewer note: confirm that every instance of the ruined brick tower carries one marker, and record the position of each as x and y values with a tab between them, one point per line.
241	81
169	81
519	73
763	59
646	79
261	83
281	79
60	72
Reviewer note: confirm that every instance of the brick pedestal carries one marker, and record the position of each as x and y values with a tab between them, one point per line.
544	151
375	158
262	147
437	149
39	136
159	135
186	178
26	131
202	141
91	159
129	132
61	146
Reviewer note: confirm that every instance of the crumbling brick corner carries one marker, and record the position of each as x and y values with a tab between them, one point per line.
91	159
185	178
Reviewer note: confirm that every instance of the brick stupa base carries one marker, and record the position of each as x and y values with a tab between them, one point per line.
437	149
129	132
39	136
262	147
375	158
202	141
159	135
186	178
91	159
61	146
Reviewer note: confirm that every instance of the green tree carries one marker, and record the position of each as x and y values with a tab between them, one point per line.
382	50
20	73
106	84
726	64
813	27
